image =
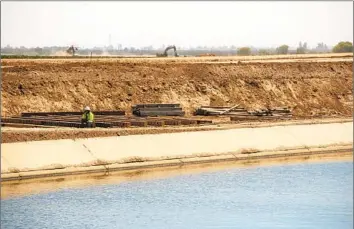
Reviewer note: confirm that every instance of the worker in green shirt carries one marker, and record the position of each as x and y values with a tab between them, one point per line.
87	118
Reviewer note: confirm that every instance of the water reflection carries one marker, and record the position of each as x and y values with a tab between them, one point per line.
310	194
18	188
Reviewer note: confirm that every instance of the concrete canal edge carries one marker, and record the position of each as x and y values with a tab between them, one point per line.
35	159
288	154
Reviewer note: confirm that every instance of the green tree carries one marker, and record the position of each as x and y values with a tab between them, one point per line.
343	46
282	49
244	51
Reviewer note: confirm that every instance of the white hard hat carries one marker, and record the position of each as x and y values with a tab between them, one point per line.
87	108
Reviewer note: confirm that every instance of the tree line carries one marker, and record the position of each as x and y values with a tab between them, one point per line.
343	46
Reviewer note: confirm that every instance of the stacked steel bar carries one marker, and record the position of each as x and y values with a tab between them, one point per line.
159	109
40	122
214	111
238	113
102	119
268	114
280	111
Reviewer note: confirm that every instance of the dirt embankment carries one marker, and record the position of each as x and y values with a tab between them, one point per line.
310	88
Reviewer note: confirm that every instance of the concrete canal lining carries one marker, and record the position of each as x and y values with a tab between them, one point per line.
51	157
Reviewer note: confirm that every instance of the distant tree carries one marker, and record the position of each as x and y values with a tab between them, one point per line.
244	51
38	50
282	49
302	49
264	52
343	46
321	48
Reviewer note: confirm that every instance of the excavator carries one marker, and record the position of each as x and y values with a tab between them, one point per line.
164	54
71	50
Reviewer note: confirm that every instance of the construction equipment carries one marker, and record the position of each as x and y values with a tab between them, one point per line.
164	54
71	50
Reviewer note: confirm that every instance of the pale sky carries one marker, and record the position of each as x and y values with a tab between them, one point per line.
88	24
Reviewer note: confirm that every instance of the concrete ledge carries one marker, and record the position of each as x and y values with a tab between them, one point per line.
344	149
59	157
59	154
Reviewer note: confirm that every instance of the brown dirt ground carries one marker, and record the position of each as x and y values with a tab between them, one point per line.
314	86
309	88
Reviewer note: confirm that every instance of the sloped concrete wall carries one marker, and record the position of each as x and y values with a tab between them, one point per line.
40	155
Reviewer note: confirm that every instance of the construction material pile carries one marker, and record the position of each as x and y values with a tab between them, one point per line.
214	111
158	109
279	111
238	113
105	119
60	119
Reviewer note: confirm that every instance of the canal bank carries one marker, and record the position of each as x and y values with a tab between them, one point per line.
35	159
25	187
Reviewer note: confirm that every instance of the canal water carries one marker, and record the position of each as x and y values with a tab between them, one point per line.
304	195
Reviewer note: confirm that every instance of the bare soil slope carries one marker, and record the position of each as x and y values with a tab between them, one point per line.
310	88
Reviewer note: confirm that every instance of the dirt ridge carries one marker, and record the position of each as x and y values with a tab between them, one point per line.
309	88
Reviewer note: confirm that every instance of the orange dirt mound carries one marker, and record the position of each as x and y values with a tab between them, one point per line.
309	88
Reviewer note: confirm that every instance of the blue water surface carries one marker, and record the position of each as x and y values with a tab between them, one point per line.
291	196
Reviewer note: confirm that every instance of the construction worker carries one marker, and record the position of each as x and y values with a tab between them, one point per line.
87	118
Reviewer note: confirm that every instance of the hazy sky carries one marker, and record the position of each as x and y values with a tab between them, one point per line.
88	24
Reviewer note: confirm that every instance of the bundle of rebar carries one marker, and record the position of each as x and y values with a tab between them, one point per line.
158	109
